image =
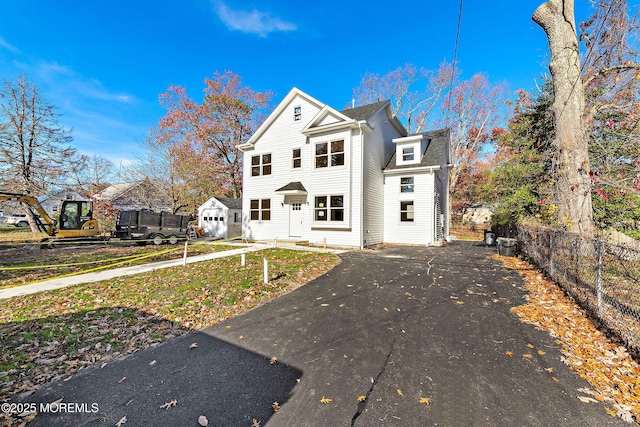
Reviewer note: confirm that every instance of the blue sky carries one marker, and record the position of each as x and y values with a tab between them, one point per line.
105	63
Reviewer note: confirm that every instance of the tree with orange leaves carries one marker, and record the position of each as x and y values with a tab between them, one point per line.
193	151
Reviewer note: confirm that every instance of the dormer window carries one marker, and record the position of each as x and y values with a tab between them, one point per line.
408	154
297	113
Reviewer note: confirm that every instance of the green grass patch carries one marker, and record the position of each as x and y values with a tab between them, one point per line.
53	334
23	266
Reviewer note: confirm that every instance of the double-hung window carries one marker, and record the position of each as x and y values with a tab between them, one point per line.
406	184
330	154
260	209
297	158
261	164
408	154
406	211
329	208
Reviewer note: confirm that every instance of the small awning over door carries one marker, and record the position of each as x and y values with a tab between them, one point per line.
293	189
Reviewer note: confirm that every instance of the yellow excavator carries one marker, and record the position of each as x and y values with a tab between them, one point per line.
76	217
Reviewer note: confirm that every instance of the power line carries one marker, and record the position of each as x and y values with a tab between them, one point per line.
455	51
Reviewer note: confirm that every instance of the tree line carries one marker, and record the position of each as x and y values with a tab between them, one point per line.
566	154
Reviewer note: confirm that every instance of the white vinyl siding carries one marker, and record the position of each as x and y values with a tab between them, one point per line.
280	139
378	148
407	223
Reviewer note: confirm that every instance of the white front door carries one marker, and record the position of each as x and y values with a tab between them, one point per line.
295	220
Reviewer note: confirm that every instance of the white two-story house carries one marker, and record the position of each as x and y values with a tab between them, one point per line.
348	178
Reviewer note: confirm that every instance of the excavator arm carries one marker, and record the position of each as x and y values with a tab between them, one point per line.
47	224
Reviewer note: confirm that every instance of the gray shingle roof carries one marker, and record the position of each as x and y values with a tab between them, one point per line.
293	186
364	112
230	203
432	155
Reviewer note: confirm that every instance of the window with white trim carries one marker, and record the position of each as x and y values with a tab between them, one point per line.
406	184
330	153
260	209
408	154
329	209
261	164
297	158
406	211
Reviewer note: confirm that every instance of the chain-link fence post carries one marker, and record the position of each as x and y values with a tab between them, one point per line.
551	255
599	277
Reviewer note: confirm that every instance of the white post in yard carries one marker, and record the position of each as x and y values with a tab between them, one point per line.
325	245
266	271
275	243
184	257
243	259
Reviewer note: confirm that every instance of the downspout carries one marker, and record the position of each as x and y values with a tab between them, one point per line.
361	186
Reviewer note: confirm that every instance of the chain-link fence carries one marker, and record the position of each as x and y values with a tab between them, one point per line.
603	277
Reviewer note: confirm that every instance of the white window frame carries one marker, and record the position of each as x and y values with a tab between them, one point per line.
331	157
261	208
294	158
258	167
328	209
408	152
406	214
407	187
297	113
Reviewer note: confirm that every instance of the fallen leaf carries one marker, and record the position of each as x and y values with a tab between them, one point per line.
610	412
362	398
194	345
122	421
541	353
399	392
460	302
425	400
530	346
509	353
324	305
153	362
386	309
241	337
344	356
273	360
527	356
275	406
255	423
555	379
203	421
550	370
169	404
121	380
325	400
585	399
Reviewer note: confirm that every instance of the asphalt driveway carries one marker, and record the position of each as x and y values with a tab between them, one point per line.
390	337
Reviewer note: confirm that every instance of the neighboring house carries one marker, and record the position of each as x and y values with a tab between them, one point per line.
133	196
350	178
477	214
51	202
221	217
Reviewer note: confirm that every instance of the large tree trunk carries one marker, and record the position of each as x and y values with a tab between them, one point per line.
572	181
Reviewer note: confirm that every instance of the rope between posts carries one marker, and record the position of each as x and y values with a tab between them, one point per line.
75	273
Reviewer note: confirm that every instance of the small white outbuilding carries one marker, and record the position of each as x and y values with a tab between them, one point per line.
221	217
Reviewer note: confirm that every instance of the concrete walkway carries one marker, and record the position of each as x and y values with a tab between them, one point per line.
62	282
